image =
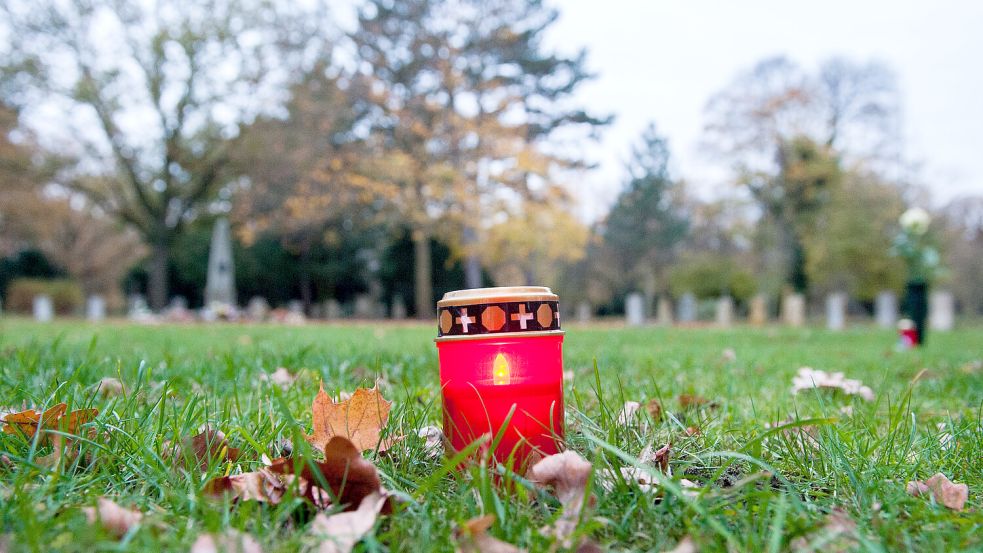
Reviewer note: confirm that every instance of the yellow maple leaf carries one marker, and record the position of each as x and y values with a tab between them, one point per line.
359	418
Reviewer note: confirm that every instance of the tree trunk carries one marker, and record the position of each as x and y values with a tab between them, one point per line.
306	284
472	267
425	308
157	275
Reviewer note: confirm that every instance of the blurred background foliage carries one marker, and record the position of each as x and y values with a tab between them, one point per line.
432	148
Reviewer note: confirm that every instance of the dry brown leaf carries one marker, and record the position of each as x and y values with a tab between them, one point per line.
341	531
230	541
627	413
953	496
263	486
567	474
280	377
350	476
685	545
690	401
693	431
110	387
115	519
473	538
359	419
27	423
205	446
839	533
659	457
654	407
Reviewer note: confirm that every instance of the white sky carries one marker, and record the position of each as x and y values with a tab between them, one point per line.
661	60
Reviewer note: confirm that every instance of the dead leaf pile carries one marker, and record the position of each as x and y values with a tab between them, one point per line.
953	496
567	474
359	418
808	378
114	519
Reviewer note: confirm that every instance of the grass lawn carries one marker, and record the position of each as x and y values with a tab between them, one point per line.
757	492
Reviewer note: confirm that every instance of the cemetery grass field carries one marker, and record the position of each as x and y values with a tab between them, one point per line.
759	489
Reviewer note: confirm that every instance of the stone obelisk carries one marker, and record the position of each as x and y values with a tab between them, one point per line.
220	288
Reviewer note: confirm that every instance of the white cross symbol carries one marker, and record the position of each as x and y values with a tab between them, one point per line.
522	316
464	320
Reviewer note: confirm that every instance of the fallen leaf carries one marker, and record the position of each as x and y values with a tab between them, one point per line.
350	477
205	446
685	545
280	377
693	431
27	423
109	387
839	533
690	401
728	355
230	541
115	519
627	413
263	485
473	538
567	474
338	533
808	378
659	457
953	496
359	419
654	407
434	440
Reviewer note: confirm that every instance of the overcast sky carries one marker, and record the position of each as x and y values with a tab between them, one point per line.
661	60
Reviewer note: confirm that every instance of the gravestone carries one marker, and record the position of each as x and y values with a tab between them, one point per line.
95	308
758	310
886	309
663	311
332	309
137	309
220	287
794	310
44	310
584	312
258	309
941	310
363	307
635	309
399	311
836	311
687	308
725	311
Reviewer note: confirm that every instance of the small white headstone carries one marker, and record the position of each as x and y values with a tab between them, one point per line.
332	309
758	310
584	312
258	308
725	311
363	307
886	309
44	310
663	311
635	309
941	310
836	311
399	311
95	308
794	309
687	308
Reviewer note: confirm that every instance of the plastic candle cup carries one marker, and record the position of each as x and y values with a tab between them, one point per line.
501	369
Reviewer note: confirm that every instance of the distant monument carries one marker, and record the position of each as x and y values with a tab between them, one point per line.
220	288
95	308
584	312
635	309
886	309
399	311
258	308
941	310
758	310
794	309
836	311
663	311
44	310
725	311
687	308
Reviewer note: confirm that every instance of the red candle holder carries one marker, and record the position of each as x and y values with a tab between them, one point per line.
501	369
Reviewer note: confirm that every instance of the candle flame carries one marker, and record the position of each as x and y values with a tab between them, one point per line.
500	370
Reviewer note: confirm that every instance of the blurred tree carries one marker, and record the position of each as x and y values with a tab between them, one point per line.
648	222
962	220
152	94
848	246
463	95
708	275
786	130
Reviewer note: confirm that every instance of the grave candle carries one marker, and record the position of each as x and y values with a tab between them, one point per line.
501	369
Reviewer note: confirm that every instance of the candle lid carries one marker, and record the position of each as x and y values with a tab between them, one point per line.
506	309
